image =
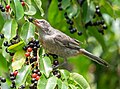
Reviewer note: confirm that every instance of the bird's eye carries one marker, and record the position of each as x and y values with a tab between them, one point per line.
42	22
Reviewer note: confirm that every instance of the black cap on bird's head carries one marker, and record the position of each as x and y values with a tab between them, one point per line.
41	23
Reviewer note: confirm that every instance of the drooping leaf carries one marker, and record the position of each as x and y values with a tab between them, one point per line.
31	10
80	80
1	22
18	60
16	47
65	74
27	31
45	65
39	5
9	29
19	12
51	83
42	82
22	75
72	86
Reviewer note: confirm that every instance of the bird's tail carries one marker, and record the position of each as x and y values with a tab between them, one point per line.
94	58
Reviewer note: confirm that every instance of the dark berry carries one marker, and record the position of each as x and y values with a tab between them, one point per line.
97	7
27	54
59	4
12	78
1	6
70	27
3	9
12	86
30	19
101	31
55	62
6	43
73	30
79	33
11	74
2	35
34	53
6	50
35	58
59	0
25	48
31	60
15	38
3	80
11	54
34	48
58	75
98	12
35	83
38	45
102	22
69	21
33	80
7	7
37	78
37	41
31	45
31	86
60	8
66	16
104	26
22	86
55	56
21	0
13	82
39	73
34	71
55	72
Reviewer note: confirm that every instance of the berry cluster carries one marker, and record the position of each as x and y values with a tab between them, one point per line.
12	78
31	51
34	78
13	41
60	5
99	23
71	23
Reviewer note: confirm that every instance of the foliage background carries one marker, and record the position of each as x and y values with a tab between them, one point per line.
106	46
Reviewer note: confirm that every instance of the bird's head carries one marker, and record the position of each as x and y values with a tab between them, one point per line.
41	23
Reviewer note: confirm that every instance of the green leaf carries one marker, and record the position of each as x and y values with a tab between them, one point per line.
62	84
27	31
1	22
42	82
88	12
65	4
18	60
73	10
3	65
80	80
22	75
16	47
9	29
65	74
45	65
19	12
31	10
72	86
51	83
39	5
93	31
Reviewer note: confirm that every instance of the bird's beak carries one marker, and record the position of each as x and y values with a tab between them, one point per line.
36	22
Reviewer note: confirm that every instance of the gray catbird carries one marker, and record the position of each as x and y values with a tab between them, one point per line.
56	42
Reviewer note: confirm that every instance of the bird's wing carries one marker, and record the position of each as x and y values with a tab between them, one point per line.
66	41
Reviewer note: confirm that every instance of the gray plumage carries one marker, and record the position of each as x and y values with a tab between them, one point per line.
56	42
